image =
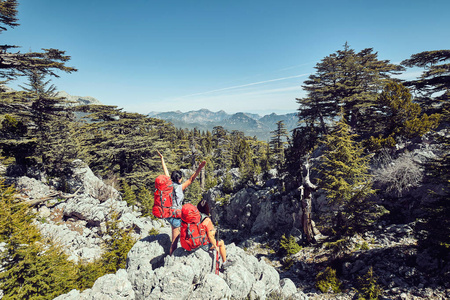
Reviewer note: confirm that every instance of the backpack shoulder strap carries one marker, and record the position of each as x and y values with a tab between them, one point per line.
203	217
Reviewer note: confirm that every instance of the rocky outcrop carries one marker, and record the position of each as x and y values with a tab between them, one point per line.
77	220
257	210
152	274
78	100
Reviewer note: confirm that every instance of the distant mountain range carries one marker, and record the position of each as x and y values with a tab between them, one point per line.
250	124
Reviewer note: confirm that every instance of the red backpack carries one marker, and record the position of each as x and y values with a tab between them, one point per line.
162	207
193	232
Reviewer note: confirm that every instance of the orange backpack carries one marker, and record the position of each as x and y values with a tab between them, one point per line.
162	207
193	232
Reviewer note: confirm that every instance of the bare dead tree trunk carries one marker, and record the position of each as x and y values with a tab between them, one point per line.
306	190
47	197
202	179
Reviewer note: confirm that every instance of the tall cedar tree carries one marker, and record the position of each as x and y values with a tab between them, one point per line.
14	64
124	143
29	270
346	180
222	145
343	80
54	128
396	117
433	86
277	144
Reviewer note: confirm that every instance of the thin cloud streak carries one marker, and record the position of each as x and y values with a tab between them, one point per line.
244	85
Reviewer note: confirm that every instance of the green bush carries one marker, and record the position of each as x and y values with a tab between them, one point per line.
227	183
193	194
365	246
287	262
289	245
31	269
117	247
223	200
88	273
368	289
327	280
153	231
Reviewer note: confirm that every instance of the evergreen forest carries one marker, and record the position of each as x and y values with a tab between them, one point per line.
355	113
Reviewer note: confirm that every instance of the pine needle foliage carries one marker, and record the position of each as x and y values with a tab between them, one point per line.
123	143
117	246
289	245
327	281
346	82
146	200
30	269
194	193
88	273
277	143
368	288
128	195
346	180
433	85
397	117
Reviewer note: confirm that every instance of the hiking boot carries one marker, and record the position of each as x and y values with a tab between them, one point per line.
226	264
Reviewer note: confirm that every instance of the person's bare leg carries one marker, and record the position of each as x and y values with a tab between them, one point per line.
222	251
175	238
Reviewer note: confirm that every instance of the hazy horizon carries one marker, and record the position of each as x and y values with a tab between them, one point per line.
250	56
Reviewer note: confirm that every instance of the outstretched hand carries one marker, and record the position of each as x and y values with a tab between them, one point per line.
202	164
160	155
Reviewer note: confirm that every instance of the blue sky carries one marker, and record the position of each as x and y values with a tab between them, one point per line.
252	56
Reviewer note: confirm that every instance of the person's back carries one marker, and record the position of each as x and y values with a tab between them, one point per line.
178	193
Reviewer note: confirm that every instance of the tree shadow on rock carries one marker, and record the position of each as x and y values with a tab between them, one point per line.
164	241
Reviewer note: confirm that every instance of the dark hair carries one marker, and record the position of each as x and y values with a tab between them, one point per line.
176	176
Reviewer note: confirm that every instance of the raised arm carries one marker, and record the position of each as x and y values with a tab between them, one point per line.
166	172
191	179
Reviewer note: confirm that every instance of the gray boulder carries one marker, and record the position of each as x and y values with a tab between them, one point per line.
152	274
287	288
257	210
84	181
108	287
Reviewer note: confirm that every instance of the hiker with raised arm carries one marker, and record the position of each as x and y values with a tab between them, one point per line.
175	190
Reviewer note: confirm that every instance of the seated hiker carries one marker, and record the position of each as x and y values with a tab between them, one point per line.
178	197
197	231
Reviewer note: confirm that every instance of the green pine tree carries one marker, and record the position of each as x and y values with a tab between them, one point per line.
116	247
193	194
347	81
346	179
128	195
396	117
432	88
146	200
277	144
368	288
30	269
